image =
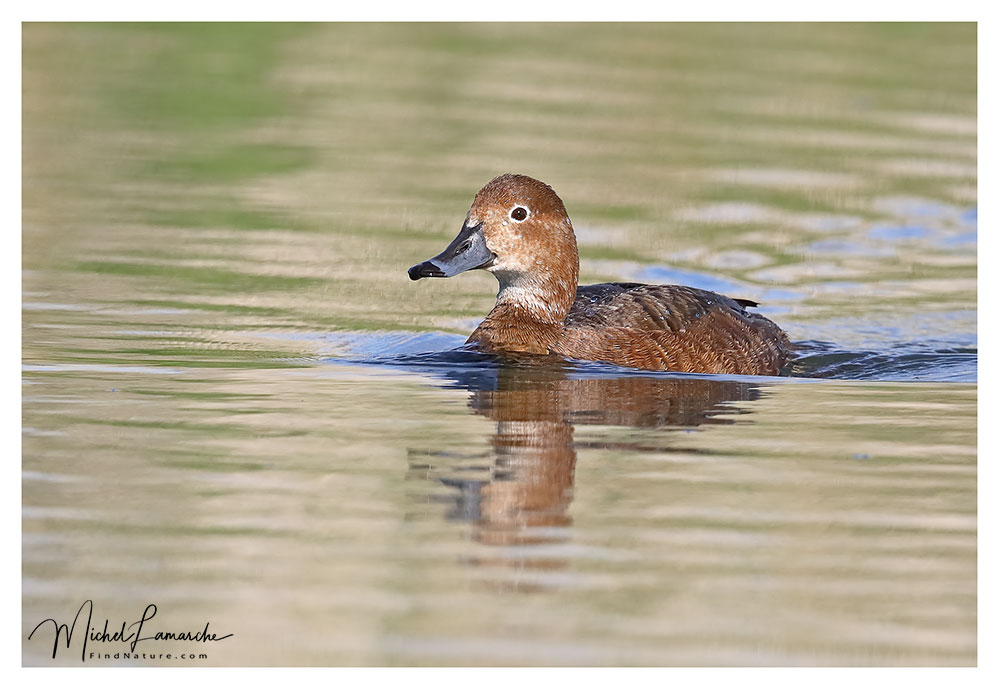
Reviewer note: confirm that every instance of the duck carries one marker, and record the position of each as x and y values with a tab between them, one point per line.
517	228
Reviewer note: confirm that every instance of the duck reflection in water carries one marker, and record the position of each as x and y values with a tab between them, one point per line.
523	496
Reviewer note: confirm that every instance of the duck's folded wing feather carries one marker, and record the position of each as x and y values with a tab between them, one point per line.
674	328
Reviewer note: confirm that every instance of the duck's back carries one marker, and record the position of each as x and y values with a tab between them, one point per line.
672	328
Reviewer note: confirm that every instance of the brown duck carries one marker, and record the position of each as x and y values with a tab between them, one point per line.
518	230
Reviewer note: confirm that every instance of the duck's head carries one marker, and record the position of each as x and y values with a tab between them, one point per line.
518	230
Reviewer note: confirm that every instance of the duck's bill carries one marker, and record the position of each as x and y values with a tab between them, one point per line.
468	251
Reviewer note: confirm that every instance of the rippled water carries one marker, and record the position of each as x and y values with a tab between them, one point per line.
238	407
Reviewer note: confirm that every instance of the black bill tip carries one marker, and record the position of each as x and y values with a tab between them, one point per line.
426	270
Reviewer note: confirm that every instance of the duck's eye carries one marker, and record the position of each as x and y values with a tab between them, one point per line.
519	214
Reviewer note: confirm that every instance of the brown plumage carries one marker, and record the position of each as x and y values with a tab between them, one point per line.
672	328
518	229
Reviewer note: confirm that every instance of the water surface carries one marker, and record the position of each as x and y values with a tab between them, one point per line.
238	407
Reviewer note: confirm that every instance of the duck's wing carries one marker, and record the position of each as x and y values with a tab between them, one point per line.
649	307
671	327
